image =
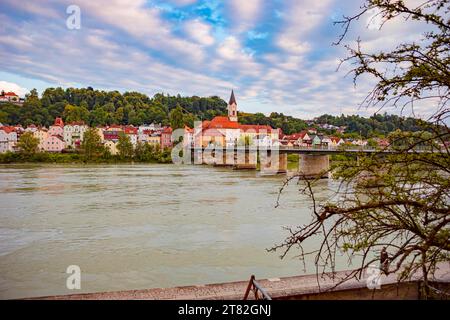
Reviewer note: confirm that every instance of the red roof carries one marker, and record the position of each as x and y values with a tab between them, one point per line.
167	130
335	139
11	94
256	128
130	130
296	136
8	129
220	122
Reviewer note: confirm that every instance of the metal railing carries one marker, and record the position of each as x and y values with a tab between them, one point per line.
258	291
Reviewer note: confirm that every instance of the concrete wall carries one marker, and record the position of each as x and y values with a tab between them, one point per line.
304	287
403	291
313	166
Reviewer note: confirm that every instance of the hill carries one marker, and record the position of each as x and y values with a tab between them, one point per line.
98	107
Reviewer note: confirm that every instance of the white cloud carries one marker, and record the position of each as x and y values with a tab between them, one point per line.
117	67
36	7
230	48
293	45
199	32
183	2
244	14
234	59
304	16
143	23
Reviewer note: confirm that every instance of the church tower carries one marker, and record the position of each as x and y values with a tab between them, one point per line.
232	108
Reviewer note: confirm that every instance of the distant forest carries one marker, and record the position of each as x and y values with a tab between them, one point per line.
96	107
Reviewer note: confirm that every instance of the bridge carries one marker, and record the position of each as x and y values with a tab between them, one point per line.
313	161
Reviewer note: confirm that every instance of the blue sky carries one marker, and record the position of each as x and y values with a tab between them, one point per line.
277	55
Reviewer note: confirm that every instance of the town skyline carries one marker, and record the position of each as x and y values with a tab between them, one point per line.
222	130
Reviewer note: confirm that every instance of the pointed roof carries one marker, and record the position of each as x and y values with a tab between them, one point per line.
58	122
232	98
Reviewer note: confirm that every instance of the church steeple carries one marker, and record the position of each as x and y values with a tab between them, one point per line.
232	98
232	108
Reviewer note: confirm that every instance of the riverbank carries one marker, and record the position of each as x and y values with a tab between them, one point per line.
304	287
79	158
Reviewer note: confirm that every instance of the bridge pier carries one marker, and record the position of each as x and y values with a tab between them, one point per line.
223	158
314	166
215	157
246	159
271	163
197	156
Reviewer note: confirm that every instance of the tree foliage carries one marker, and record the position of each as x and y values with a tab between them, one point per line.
176	118
125	147
97	107
92	145
392	209
376	125
28	143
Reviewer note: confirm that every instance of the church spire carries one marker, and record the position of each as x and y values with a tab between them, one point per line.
232	98
232	108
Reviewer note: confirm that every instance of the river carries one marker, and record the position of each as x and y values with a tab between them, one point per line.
142	226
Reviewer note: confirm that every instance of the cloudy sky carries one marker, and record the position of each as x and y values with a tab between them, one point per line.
277	55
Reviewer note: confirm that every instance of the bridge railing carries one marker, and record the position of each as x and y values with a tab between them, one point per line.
343	148
328	148
359	148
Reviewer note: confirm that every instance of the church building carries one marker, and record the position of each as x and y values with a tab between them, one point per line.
227	132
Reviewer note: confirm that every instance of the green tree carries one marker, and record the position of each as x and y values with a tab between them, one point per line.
74	113
33	98
3	117
125	147
176	118
92	144
98	117
28	143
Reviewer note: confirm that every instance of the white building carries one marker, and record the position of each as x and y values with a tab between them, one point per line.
74	133
359	142
31	128
132	134
150	127
143	136
8	139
